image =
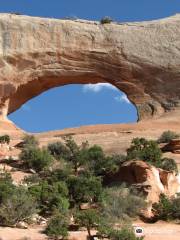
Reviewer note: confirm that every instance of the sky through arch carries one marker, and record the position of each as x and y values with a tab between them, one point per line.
75	105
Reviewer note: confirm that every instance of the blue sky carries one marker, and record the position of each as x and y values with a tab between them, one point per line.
75	105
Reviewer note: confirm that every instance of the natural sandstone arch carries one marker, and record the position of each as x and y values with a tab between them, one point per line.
141	59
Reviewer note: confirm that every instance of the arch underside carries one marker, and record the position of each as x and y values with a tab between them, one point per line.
33	88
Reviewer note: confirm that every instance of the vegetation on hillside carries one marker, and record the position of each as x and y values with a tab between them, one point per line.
167	136
69	177
5	139
167	208
149	151
106	20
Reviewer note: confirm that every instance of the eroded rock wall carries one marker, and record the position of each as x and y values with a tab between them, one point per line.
141	59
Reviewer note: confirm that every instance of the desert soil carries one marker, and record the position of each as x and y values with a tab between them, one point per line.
156	231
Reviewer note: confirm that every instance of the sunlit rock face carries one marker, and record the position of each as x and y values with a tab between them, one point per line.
141	59
147	179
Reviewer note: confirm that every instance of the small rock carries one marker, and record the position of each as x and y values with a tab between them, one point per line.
32	171
22	225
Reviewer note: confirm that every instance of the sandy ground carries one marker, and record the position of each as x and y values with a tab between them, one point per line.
18	234
161	231
157	231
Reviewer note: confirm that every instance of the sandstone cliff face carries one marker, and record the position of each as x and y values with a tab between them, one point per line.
141	59
148	179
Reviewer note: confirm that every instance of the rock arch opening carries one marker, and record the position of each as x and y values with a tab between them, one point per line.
75	105
39	54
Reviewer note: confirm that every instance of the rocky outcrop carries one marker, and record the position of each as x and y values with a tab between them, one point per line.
141	59
173	146
148	179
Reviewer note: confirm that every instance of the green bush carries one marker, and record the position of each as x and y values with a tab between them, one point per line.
167	209
57	227
36	158
6	186
88	218
58	150
169	164
30	141
163	208
85	189
32	179
124	234
167	136
50	197
56	175
123	204
146	150
106	20
76	155
18	207
149	151
5	139
99	164
175	214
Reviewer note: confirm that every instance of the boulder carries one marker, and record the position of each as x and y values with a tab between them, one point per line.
148	179
22	225
173	146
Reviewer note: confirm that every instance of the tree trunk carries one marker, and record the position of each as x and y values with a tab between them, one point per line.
89	232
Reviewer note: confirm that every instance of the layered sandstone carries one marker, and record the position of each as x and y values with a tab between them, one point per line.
141	59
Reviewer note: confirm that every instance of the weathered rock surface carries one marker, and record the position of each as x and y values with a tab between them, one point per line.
173	146
148	179
141	59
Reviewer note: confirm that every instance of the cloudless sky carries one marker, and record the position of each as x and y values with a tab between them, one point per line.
70	105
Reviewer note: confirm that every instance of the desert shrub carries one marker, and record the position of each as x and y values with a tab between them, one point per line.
50	197
146	150
6	186
124	233
99	164
106	20
96	160
32	179
167	136
36	158
58	150
167	209
5	139
106	231
56	175
123	204
30	141
57	227
85	189
175	212
169	164
18	207
163	208
76	155
88	218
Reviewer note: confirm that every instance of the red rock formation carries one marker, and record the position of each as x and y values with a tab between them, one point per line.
173	146
150	180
